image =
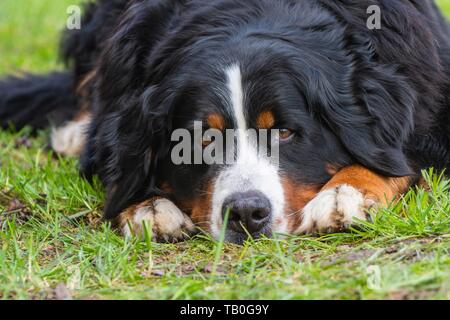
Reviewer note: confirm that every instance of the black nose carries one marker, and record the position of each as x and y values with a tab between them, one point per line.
249	210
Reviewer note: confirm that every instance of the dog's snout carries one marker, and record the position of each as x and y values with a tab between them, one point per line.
249	210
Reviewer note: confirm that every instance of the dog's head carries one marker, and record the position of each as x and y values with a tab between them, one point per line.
317	103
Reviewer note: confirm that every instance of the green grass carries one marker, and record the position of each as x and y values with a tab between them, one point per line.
445	6
53	244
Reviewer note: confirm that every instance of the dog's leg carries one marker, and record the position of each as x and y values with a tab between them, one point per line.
348	195
167	222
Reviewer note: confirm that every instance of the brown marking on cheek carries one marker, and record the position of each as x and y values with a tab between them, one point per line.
199	208
296	197
216	121
265	120
372	185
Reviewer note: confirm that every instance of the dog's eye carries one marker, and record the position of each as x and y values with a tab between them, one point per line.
207	141
286	134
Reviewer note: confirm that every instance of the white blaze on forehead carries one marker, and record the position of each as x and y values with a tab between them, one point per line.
249	172
236	95
246	152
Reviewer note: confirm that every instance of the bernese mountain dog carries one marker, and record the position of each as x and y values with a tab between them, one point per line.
358	111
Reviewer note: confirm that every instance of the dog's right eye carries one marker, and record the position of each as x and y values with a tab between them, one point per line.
207	141
286	134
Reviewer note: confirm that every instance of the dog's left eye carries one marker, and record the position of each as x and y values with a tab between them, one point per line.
286	134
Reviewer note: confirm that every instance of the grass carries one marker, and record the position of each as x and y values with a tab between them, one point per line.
53	244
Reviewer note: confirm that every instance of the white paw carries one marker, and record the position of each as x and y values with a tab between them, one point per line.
334	210
168	223
69	140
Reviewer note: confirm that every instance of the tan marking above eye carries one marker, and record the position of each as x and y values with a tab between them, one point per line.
216	121
265	120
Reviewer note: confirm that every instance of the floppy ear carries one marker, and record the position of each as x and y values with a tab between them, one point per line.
372	115
130	121
126	148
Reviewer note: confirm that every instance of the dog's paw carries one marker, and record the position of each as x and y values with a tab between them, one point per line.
334	210
70	139
167	222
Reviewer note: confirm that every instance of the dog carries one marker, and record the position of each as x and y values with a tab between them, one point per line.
358	112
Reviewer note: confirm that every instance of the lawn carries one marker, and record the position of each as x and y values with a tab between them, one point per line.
53	244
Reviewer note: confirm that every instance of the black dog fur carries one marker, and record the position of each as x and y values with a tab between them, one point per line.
376	97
